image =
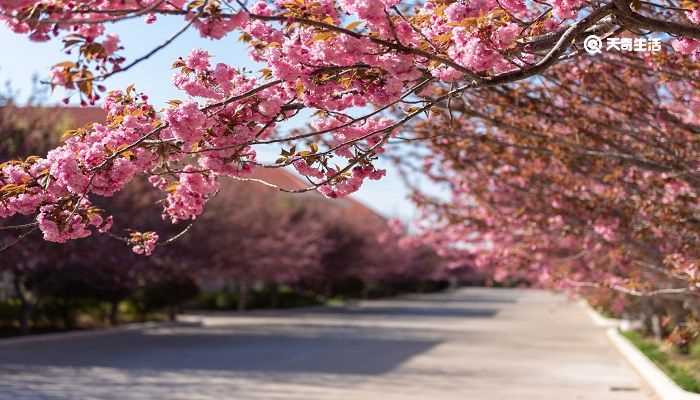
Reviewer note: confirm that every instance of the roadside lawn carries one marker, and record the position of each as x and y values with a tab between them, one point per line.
684	369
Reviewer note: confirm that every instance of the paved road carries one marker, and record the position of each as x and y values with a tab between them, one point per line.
481	344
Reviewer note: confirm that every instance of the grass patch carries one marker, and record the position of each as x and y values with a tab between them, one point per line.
653	351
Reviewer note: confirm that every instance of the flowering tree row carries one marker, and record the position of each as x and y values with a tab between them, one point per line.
329	57
586	177
249	237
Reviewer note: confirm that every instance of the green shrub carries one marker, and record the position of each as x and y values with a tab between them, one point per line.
9	310
695	350
265	298
219	300
165	294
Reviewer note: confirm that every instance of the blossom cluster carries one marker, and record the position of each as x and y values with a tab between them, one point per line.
185	150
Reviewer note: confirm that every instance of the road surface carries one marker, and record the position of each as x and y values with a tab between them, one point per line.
481	344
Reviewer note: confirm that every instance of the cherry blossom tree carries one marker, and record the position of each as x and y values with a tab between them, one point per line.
249	235
327	59
567	169
582	178
24	133
96	269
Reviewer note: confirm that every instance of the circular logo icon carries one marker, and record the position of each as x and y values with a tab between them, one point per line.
593	44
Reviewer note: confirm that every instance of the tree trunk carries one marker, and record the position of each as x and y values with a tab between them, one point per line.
421	287
647	311
365	291
67	314
328	291
275	296
25	308
656	326
242	296
114	313
172	313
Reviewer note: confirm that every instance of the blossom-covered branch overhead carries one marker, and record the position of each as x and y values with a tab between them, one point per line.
396	61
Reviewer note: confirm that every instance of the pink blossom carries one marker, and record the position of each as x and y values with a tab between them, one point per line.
505	36
514	6
270	107
305	169
606	228
472	52
58	76
566	8
694	16
111	44
217	28
198	60
186	201
143	243
456	12
65	169
685	45
186	122
60	225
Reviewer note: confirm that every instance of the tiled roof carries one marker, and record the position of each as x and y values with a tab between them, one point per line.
78	116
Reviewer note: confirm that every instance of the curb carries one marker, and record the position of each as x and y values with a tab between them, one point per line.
598	319
664	387
83	334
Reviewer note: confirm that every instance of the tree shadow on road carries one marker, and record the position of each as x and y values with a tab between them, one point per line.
412	311
274	350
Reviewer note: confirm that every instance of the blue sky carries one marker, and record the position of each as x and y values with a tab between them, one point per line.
23	58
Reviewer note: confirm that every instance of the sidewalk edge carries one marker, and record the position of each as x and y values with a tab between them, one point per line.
664	387
82	334
599	319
